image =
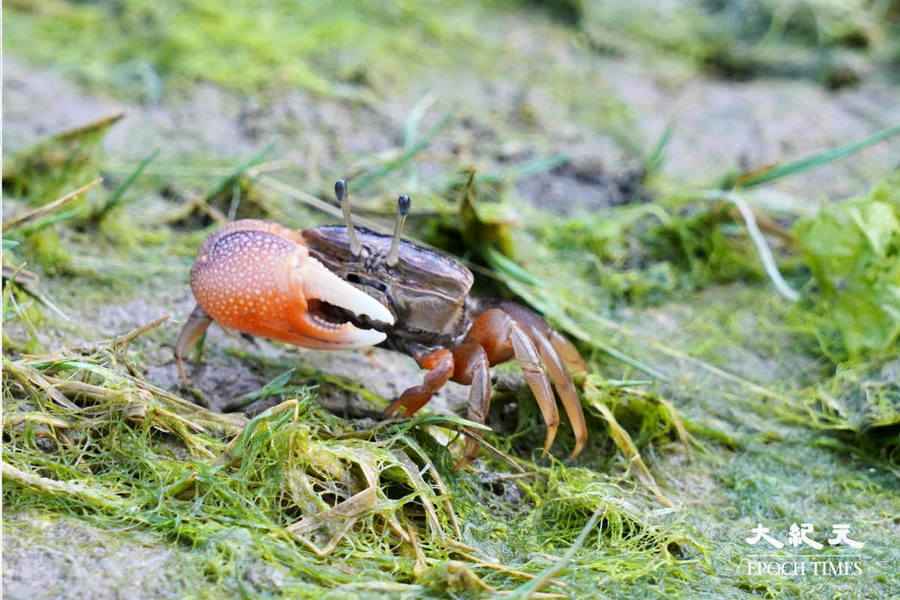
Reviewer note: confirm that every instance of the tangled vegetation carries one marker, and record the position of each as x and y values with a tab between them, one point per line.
744	354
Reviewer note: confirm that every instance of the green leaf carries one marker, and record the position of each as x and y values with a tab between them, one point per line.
878	223
853	251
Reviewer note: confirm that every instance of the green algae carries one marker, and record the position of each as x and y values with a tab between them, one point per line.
779	433
230	491
853	252
148	50
295	486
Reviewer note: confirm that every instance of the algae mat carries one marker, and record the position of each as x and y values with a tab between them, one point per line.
703	196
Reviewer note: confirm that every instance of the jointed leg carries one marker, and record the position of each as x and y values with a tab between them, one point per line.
568	353
497	335
535	325
555	355
467	364
193	330
502	338
476	370
565	389
528	358
440	367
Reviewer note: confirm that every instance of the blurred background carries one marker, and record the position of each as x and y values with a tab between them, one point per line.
702	194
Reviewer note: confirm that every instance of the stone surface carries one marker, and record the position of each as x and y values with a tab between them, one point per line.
64	558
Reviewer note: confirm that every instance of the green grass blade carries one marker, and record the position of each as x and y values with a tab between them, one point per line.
277	386
657	156
47	221
116	197
229	180
367	179
531	167
816	160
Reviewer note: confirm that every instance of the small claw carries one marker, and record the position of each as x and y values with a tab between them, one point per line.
258	278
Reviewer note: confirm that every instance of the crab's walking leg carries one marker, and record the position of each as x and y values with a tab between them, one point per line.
529	359
192	331
502	338
497	335
440	367
478	369
557	354
467	364
565	389
568	353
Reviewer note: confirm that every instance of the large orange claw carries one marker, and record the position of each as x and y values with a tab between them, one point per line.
258	278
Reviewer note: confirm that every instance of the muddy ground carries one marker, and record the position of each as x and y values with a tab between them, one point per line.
720	126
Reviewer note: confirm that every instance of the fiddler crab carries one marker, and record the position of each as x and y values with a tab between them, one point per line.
338	286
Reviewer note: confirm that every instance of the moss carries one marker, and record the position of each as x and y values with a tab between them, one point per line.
58	164
148	50
704	389
48	252
291	486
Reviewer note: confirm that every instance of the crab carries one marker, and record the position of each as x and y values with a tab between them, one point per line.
342	286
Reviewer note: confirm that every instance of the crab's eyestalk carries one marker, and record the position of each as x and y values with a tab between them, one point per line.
342	192
403	204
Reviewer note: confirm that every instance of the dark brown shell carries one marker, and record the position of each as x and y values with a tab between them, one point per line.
427	291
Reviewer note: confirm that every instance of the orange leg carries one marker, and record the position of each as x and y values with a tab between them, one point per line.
193	330
497	335
503	338
466	364
440	367
538	327
544	352
528	358
557	353
473	369
565	389
568	353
